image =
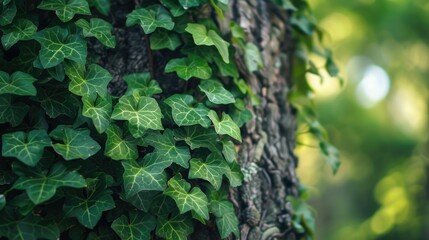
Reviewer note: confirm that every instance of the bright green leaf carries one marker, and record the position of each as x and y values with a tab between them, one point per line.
99	29
120	146
241	117
166	148
137	227
99	110
12	112
141	84
211	170
234	175
141	113
147	174
188	67
76	143
175	8
41	185
225	126
58	45
186	199
150	18
184	113
252	57
197	137
27	147
21	29
175	227
66	9
229	151
18	83
164	39
216	92
226	220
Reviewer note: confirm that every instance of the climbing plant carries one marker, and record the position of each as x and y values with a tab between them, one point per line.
79	161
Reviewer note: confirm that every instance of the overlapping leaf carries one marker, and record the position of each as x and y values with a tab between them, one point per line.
167	149
150	18
28	147
197	137
66	9
103	6
75	143
7	13
99	110
18	83
211	170
234	175
141	113
226	220
185	113
41	185
21	29
164	39
57	101
175	227
216	92
57	45
225	126
188	199
191	66
99	29
120	146
229	151
137	226
175	8
12	112
141	84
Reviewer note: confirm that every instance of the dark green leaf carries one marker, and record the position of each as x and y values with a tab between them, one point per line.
21	29
226	219
141	84
118	146
7	13
57	101
18	83
185	114
103	6
12	113
188	67
164	39
216	92
99	110
211	170
234	175
225	126
99	29
150	18
66	9
175	8
197	137
137	227
175	227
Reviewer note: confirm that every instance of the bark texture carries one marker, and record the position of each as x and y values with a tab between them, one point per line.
266	154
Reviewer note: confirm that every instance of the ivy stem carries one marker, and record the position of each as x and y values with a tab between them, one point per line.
149	52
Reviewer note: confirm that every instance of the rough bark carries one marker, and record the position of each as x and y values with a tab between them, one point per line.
266	154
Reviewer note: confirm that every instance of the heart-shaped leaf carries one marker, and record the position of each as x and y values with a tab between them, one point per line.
120	146
66	9
99	29
211	170
174	227
12	112
184	113
21	29
27	147
58	101
99	110
188	67
141	84
137	226
7	13
225	126
216	92
150	18
175	8
226	219
18	83
164	39
197	137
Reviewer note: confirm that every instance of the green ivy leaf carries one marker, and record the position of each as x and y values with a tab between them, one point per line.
175	8
99	29
241	117
141	84
28	53
41	185
197	137
21	29
137	226
186	199
57	72
176	227
7	13
76	143
190	3
252	57
57	101
66	9
150	18
58	45
234	175
18	83
164	39
184	113
87	82
228	151
99	110
142	200
118	146
89	207
103	6
225	126
12	113
141	113
216	93
145	175
208	38
27	147
191	66
2	202
166	148
331	155
211	170
226	220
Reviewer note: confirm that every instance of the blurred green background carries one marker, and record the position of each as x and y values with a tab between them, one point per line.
379	120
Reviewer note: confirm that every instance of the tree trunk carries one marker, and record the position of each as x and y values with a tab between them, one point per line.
266	154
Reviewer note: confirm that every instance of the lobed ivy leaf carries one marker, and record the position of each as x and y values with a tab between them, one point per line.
7	13
28	53
211	170
191	66
234	175
57	45
175	8
87	82
226	220
12	112
150	18
88	207
166	149
77	144
57	101
190	3
120	146
141	84
99	29
141	113
103	6
175	227
19	83
21	29
41	185
66	9
197	137
137	226
229	151
28	147
184	113
145	175
225	126
241	117
142	200
208	38
99	110
252	57
57	72
164	39
186	199
216	93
